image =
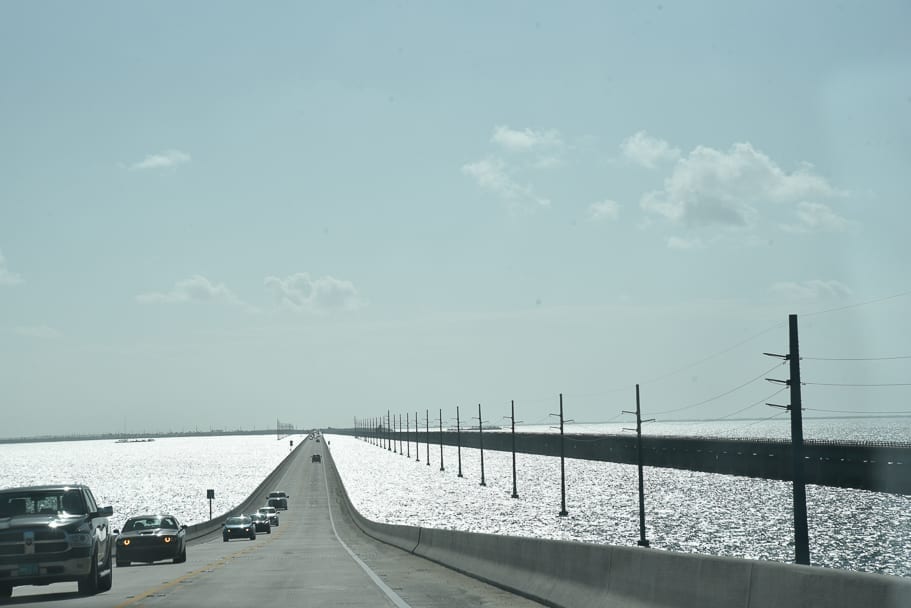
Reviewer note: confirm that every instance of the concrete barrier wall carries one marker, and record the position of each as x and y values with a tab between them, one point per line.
570	574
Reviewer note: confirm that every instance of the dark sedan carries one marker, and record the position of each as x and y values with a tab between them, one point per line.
238	527
261	523
151	538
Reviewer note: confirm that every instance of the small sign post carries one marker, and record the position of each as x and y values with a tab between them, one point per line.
210	494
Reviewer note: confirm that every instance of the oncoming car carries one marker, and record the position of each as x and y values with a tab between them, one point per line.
238	527
151	538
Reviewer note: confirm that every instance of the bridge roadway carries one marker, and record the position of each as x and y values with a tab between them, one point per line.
304	562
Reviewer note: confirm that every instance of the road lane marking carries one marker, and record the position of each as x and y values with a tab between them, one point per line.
392	595
207	568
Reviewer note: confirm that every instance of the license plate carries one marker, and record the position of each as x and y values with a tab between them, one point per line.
28	570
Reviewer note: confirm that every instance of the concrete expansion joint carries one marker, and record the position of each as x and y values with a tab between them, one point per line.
418	544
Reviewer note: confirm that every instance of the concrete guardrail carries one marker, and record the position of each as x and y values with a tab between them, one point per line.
569	574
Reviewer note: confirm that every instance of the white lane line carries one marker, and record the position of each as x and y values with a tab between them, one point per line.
392	595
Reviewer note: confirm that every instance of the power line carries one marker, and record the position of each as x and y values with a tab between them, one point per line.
710	357
778	415
858	304
728	392
856	385
816	409
754	404
857	358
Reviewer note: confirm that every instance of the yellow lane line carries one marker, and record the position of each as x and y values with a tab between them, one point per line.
208	567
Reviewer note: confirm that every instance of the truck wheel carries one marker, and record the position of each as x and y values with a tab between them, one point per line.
182	556
122	563
6	590
88	584
105	581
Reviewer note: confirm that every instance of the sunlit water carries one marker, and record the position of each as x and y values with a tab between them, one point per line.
685	510
169	475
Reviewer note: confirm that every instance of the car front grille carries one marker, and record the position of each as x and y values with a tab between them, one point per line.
25	542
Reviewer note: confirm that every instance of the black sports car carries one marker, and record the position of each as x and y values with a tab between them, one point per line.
238	527
261	523
150	538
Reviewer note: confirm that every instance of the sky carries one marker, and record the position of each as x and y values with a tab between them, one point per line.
219	216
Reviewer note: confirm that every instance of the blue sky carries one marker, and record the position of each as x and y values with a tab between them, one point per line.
214	216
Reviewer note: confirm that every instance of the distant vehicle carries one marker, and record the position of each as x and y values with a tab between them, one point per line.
53	534
270	512
316	458
281	504
278	494
238	527
261	522
151	538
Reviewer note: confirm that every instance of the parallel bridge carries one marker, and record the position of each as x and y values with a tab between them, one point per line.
876	466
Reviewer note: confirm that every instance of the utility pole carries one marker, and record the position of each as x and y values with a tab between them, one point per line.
512	418
801	531
401	451
642	540
408	430
481	443
427	432
441	439
563	512
417	439
459	441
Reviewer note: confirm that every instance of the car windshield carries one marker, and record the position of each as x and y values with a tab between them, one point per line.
269	510
47	502
238	521
147	523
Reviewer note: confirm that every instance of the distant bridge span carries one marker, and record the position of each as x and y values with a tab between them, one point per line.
876	466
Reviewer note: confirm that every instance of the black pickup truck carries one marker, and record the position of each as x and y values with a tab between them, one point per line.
52	534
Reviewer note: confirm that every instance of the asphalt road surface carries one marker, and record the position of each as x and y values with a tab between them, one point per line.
310	559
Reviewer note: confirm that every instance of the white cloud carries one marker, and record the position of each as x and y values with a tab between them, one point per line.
195	289
811	290
604	211
648	151
162	160
816	217
300	292
676	242
711	187
37	331
491	174
526	139
7	277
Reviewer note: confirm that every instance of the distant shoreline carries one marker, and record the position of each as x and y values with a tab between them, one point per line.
134	436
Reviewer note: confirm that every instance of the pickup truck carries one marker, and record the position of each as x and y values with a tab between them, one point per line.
52	534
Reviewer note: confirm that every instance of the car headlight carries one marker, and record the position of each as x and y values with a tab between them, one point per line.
126	542
167	539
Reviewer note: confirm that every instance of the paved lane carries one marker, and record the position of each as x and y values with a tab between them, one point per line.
302	563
